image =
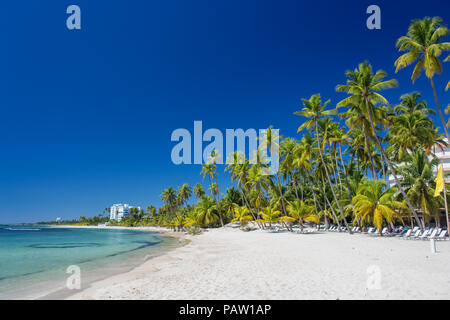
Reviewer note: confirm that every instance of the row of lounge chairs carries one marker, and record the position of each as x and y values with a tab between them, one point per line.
411	234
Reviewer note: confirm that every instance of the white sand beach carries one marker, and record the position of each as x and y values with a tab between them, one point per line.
228	263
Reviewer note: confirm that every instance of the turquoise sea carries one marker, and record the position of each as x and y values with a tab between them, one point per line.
34	259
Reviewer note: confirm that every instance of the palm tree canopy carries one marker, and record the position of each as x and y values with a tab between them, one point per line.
423	44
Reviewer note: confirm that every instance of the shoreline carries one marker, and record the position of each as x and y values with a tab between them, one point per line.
51	289
227	263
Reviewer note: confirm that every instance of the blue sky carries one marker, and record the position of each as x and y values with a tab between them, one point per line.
87	115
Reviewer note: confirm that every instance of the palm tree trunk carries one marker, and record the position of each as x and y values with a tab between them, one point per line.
327	201
441	115
217	202
329	181
281	195
350	196
366	143
391	168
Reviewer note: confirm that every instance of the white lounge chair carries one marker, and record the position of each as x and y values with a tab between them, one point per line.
424	235
406	235
433	234
442	235
415	235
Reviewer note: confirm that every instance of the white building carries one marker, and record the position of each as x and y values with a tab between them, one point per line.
444	158
118	211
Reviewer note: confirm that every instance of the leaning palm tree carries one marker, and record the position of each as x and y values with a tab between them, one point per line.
301	212
424	44
314	109
375	204
362	85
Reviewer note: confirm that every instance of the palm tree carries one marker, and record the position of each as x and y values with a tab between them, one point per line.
411	128
206	211
418	181
241	215
184	193
151	210
270	215
169	197
314	109
209	170
199	191
301	211
363	85
423	44
375	204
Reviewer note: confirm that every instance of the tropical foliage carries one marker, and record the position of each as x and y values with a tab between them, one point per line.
360	161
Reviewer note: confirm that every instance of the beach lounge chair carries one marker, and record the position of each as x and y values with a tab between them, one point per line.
415	235
442	235
406	235
357	229
424	235
433	234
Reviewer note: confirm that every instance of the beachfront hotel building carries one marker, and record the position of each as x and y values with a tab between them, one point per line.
119	211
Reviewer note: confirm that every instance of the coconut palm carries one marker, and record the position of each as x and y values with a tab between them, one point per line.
151	210
423	43
206	211
412	131
209	170
314	109
242	215
418	181
373	203
184	193
270	215
169	197
301	212
363	87
199	191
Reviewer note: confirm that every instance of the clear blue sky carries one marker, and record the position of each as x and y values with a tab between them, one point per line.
86	116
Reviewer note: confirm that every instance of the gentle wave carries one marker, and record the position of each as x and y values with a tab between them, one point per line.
22	229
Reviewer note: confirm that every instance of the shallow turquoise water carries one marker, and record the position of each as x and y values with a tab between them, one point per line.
32	256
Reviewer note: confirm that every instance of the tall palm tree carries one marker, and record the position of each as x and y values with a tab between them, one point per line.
151	210
362	85
412	129
375	204
314	109
199	191
209	170
169	197
423	44
184	193
418	181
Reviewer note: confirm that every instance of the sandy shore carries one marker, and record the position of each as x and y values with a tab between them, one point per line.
230	264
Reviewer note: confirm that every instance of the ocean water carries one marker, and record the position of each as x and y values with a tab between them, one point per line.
34	259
